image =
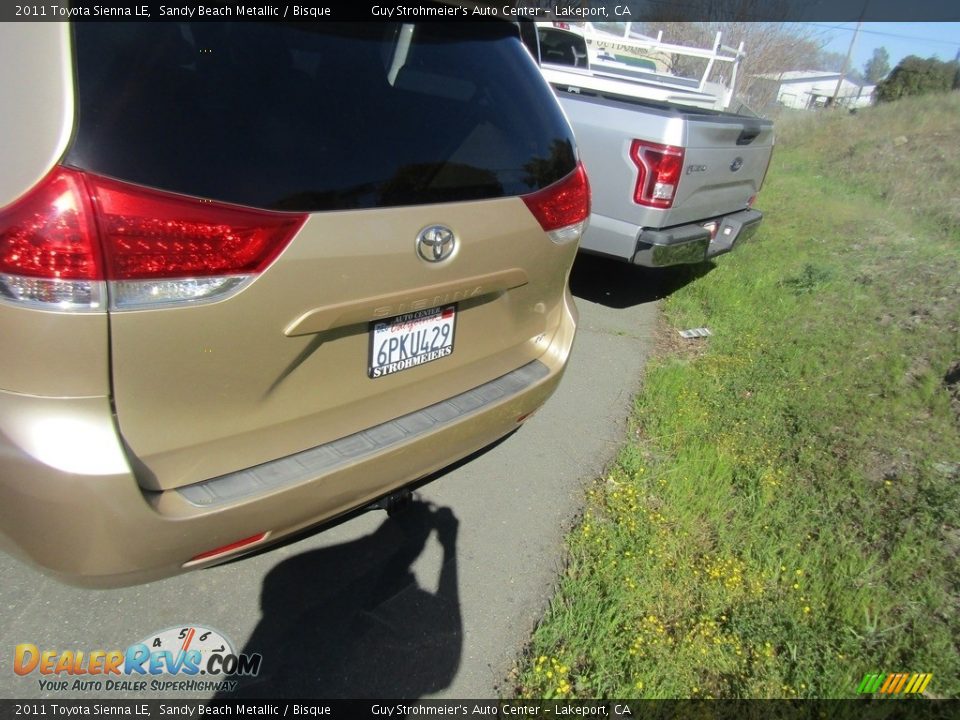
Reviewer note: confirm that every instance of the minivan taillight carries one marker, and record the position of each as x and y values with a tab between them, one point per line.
49	254
562	209
76	234
659	170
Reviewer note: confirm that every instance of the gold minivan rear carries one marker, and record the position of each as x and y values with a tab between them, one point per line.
266	274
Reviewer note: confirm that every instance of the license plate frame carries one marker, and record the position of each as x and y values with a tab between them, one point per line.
409	340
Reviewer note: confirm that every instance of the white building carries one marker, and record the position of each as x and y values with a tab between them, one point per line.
804	89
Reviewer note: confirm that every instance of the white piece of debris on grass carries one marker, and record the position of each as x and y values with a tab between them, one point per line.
695	333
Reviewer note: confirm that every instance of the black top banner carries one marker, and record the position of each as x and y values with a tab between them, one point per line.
538	10
916	709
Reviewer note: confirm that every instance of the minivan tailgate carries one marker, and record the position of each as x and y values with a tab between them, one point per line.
284	365
367	135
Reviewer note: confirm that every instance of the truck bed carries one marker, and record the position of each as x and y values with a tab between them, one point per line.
725	158
673	177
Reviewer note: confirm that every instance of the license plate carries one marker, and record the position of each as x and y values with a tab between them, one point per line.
410	340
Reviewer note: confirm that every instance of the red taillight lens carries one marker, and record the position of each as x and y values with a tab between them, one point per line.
563	205
152	234
49	233
659	170
75	230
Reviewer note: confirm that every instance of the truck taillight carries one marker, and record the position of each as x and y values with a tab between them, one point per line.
75	236
659	169
562	209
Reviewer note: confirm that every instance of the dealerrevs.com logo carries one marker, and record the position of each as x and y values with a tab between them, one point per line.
189	658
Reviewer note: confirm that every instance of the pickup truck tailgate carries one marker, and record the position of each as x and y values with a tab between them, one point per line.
725	160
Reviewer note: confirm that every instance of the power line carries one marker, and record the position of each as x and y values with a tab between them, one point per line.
885	34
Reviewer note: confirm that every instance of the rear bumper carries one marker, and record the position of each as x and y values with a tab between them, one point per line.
686	244
92	525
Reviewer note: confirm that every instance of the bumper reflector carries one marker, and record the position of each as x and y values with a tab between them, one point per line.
226	549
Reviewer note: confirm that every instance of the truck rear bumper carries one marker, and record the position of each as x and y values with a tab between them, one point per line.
686	244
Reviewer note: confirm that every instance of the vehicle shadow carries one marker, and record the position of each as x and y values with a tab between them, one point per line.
617	284
351	621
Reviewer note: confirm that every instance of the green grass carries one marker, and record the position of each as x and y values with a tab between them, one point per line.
786	515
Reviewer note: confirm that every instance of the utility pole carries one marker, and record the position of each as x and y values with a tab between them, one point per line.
846	62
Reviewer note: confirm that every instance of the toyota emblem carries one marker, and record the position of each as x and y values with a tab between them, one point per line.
436	243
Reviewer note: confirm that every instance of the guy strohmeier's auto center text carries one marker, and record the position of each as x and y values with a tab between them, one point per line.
505	11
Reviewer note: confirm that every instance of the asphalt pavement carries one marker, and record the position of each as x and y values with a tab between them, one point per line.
434	602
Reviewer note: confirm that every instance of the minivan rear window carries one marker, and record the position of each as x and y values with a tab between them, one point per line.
317	117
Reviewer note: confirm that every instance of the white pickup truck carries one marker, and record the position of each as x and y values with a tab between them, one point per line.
674	178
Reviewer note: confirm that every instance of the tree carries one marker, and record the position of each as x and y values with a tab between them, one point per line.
834	61
828	61
877	66
915	76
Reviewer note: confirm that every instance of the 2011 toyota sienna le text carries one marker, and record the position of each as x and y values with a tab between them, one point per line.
254	276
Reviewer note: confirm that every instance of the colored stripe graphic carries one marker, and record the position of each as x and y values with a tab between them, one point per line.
888	683
869	683
894	683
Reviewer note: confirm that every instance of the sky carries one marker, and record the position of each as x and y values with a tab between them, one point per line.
899	38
